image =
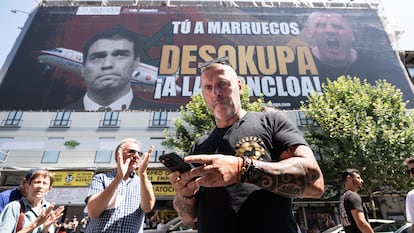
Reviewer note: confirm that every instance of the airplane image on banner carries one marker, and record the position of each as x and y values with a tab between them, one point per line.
71	60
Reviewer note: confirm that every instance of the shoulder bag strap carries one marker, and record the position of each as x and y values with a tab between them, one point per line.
21	216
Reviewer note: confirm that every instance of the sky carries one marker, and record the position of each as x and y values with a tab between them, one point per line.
397	11
10	23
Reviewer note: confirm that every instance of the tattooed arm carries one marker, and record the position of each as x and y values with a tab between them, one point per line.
185	197
297	174
186	209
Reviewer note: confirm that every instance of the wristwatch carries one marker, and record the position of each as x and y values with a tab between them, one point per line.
250	172
254	173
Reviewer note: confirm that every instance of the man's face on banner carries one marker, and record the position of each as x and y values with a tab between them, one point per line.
333	36
109	65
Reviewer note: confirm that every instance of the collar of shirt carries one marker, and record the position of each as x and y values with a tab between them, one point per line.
27	205
132	175
117	105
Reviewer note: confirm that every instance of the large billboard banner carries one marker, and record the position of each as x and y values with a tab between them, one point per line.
70	59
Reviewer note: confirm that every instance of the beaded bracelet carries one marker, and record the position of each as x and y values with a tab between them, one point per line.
247	162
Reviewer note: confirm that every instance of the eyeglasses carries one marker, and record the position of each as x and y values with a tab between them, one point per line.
133	152
409	171
219	60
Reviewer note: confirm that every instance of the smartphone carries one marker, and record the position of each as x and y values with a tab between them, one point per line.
175	162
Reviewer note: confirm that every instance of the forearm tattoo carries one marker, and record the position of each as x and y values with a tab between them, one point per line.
285	184
291	177
185	208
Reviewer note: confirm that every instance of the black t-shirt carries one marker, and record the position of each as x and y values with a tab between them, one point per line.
246	207
349	201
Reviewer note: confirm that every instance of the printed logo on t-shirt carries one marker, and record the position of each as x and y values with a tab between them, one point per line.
252	147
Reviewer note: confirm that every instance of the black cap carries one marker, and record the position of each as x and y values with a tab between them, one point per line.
30	173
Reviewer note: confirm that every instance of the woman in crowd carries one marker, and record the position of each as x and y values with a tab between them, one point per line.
32	213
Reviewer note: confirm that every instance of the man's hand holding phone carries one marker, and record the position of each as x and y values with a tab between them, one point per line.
175	163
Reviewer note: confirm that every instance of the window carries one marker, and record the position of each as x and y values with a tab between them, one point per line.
110	120
4	152
411	72
50	156
303	120
159	119
61	120
155	156
103	156
14	119
3	156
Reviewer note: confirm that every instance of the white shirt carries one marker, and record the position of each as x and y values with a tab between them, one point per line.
120	104
409	206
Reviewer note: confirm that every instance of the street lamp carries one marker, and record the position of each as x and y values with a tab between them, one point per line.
15	11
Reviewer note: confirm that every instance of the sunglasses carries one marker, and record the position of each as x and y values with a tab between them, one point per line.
409	171
219	60
133	152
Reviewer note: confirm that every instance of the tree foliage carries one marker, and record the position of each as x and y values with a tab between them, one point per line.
196	120
362	126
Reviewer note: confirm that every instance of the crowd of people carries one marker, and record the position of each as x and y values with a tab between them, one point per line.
252	163
155	221
68	225
117	201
